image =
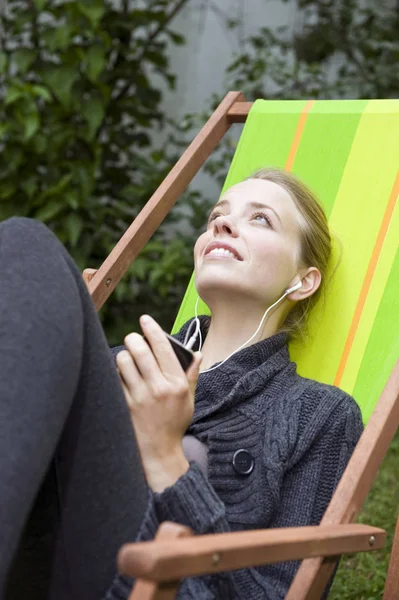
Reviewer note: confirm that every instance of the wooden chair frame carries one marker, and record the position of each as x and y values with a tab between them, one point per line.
161	564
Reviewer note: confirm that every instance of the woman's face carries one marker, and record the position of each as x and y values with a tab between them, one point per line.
252	244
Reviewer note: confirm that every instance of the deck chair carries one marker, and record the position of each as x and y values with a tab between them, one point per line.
347	151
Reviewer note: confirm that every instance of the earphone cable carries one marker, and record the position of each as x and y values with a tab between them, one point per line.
250	339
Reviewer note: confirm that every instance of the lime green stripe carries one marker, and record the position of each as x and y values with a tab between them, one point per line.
377	288
356	217
382	349
326	142
266	140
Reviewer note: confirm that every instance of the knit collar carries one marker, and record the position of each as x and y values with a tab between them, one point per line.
242	376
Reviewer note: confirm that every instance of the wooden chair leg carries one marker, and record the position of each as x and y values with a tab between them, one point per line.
392	582
150	590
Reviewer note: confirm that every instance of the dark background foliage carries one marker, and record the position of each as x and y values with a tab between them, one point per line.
80	102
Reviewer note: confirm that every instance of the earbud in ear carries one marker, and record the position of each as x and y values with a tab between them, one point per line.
295	287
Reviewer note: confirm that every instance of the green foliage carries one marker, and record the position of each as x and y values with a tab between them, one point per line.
341	49
78	111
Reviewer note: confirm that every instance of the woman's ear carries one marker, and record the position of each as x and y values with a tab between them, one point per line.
311	279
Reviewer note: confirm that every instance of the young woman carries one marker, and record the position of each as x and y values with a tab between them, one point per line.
239	442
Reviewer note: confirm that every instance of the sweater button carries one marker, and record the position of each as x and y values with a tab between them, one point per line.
243	462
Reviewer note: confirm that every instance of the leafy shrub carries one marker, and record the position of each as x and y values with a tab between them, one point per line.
78	110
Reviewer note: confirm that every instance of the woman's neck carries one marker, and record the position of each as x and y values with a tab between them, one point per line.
231	326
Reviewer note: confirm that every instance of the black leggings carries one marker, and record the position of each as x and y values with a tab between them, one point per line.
72	489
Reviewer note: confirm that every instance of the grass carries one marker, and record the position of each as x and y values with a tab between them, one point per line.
362	576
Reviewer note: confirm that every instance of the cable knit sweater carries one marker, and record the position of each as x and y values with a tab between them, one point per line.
300	435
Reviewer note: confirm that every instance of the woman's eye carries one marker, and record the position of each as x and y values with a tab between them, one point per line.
213	216
261	217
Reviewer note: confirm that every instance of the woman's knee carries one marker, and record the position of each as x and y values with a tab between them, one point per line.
22	232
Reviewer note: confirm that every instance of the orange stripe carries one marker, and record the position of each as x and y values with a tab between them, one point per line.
368	279
298	134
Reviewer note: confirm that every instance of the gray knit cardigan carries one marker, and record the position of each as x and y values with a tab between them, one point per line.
300	435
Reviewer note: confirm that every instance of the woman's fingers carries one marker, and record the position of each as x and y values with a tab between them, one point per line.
127	370
159	394
153	371
144	359
161	347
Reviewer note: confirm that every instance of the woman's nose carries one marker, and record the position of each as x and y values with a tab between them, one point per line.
225	224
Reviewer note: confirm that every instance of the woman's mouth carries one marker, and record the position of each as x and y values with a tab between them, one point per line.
222	250
221	253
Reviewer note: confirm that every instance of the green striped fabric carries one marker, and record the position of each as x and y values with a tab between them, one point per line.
348	153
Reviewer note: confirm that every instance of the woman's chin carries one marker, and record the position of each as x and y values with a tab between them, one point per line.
218	288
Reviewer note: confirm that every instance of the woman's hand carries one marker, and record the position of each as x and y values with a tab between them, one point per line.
160	396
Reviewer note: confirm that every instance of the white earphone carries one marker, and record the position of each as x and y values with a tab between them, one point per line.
190	343
295	287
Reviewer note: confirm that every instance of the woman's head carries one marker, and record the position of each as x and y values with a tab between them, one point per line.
315	240
278	235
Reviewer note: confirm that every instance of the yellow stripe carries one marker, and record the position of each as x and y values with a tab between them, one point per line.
386	221
372	303
356	218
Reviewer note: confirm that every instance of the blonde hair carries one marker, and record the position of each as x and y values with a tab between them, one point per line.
315	250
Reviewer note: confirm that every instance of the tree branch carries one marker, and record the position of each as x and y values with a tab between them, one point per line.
35	33
180	4
351	56
2	28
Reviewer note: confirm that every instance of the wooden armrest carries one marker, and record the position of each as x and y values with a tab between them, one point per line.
88	275
238	112
169	559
